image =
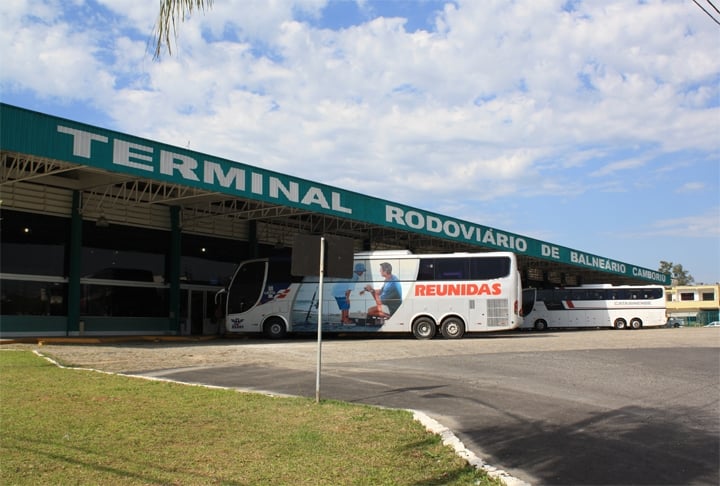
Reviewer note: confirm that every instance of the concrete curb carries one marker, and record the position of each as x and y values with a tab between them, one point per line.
450	439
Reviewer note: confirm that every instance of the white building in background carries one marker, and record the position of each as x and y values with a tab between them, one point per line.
694	304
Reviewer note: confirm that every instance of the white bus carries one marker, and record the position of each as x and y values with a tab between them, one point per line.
390	291
603	305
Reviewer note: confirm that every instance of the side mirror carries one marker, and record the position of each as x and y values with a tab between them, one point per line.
219	294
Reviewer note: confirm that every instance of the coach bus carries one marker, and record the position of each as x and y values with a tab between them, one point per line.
390	291
603	305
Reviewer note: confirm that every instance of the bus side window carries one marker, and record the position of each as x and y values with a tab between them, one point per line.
579	294
552	298
544	295
489	268
451	269
623	294
451	276
651	293
426	272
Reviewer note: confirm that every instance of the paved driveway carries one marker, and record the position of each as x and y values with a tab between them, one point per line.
585	407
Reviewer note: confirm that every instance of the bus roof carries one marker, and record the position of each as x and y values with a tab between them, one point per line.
610	286
408	253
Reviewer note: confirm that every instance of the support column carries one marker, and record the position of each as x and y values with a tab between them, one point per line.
73	268
174	268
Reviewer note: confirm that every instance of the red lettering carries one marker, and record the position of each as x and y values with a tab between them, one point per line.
471	289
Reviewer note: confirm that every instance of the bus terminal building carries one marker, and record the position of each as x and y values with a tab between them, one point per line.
105	233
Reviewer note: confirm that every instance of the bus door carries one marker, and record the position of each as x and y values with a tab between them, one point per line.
528	301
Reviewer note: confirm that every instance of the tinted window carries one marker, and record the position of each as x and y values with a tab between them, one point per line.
246	287
33	243
451	269
551	298
123	301
588	294
464	268
489	268
426	271
653	293
33	298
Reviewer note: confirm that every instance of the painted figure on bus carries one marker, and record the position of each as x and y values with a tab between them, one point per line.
342	290
387	298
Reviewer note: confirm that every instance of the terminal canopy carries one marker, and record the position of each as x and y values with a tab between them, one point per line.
123	179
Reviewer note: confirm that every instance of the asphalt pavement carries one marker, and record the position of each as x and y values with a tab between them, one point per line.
643	407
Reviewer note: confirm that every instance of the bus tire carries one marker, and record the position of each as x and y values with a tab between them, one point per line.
424	328
620	323
452	328
635	323
540	325
274	328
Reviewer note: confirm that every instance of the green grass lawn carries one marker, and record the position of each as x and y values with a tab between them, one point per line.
64	426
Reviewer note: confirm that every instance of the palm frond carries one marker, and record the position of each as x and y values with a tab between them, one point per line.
172	12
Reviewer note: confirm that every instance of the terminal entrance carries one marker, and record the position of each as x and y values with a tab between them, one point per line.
198	315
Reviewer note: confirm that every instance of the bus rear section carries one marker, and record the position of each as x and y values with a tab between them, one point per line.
389	291
597	306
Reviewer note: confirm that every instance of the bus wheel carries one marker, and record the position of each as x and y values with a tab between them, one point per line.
620	323
274	329
635	323
540	325
452	328
424	328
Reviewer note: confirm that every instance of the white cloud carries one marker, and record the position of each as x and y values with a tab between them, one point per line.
619	165
706	225
690	187
502	101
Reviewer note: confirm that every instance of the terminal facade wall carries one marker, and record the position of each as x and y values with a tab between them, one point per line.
124	275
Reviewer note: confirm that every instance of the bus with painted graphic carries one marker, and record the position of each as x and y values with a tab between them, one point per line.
389	292
595	306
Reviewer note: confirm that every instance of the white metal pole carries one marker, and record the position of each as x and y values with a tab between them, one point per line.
319	324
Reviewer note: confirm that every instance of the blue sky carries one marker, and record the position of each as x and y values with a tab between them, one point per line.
590	124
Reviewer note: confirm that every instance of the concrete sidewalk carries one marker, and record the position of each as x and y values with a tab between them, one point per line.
104	339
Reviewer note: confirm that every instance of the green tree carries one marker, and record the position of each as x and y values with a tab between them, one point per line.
678	274
172	12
